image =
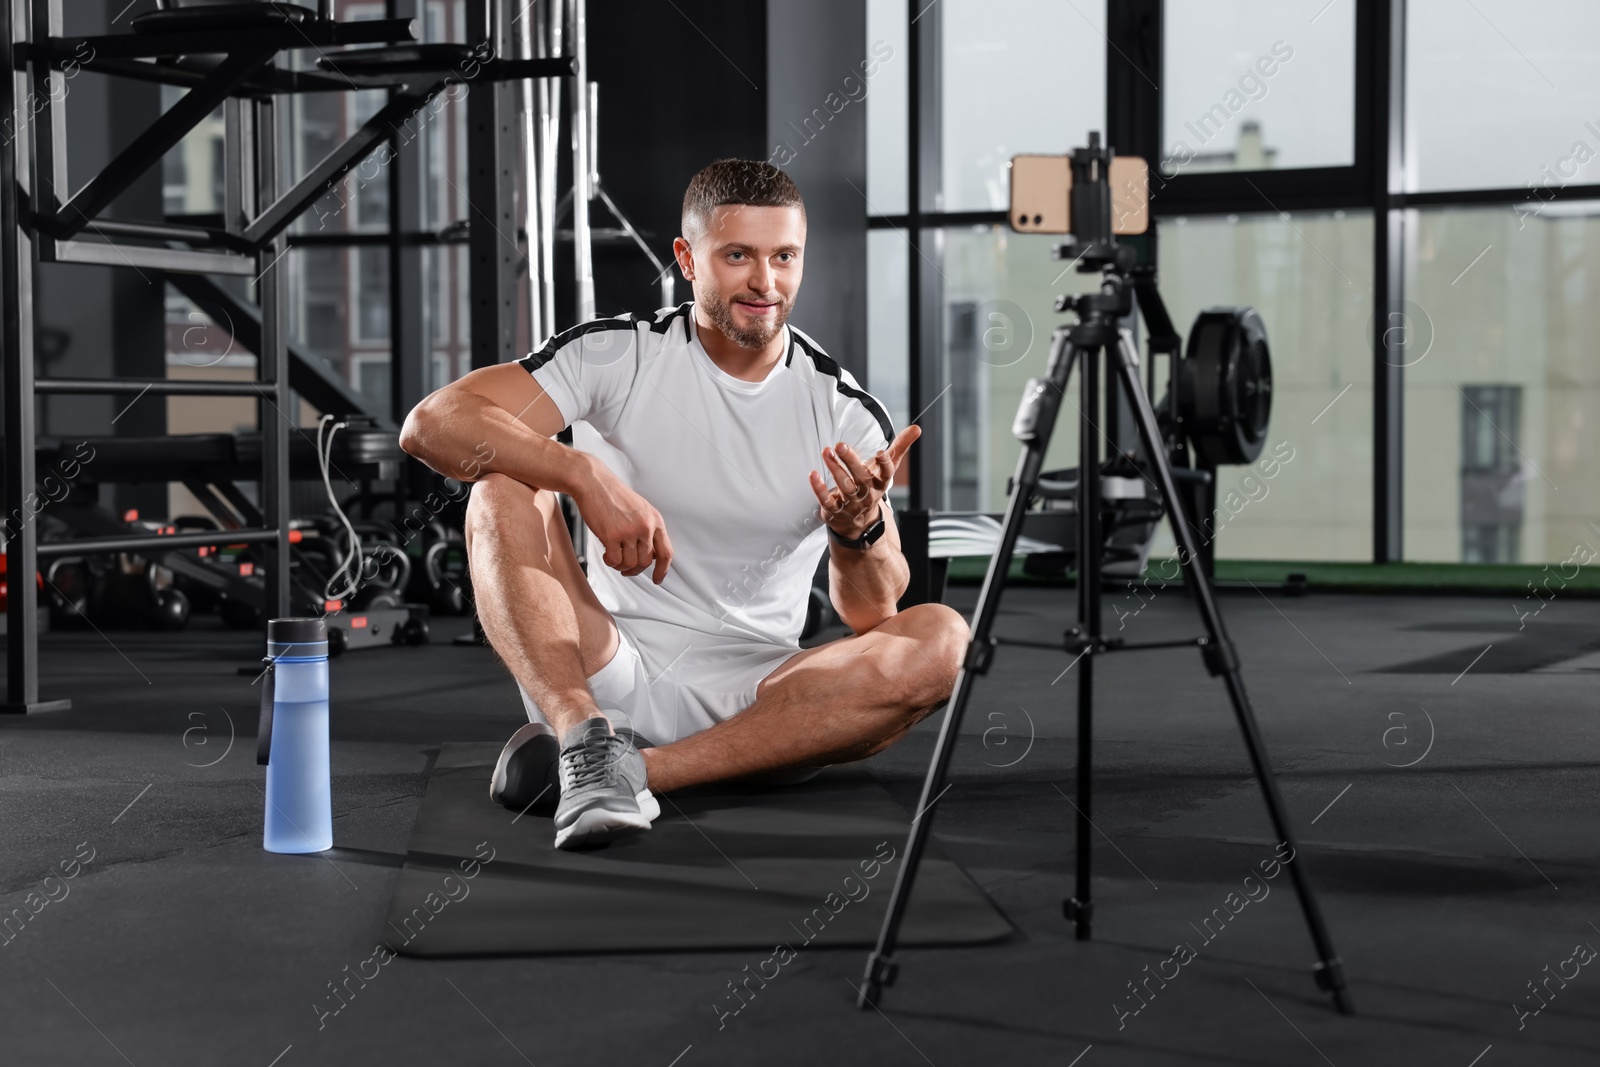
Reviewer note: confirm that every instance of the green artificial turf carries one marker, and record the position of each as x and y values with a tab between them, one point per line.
1496	578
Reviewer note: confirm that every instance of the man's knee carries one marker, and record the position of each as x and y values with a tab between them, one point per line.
499	506
940	637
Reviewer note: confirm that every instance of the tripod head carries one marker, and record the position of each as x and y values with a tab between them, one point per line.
1091	194
1115	298
1092	242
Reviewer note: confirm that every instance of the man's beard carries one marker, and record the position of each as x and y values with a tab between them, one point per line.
758	335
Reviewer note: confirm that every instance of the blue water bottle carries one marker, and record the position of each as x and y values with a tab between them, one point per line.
293	737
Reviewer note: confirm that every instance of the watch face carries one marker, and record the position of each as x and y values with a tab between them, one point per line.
871	534
874	532
867	538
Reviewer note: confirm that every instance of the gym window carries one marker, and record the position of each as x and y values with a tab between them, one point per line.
1408	233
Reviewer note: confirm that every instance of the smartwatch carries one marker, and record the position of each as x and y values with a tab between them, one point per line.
866	540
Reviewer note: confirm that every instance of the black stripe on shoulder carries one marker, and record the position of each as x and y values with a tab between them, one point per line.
534	360
664	317
827	365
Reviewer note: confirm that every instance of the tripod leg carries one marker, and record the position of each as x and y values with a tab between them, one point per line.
1035	419
1079	908
1222	659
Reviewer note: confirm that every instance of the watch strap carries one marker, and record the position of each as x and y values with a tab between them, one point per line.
867	538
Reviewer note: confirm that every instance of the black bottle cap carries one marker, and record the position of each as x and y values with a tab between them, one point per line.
297	637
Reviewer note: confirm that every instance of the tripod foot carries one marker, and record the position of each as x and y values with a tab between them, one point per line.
881	971
1330	979
1081	912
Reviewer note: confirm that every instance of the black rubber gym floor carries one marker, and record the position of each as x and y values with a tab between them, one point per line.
1439	763
725	866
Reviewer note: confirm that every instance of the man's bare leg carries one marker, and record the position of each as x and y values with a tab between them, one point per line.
835	703
842	701
536	606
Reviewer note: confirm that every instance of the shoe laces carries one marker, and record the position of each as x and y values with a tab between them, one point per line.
591	762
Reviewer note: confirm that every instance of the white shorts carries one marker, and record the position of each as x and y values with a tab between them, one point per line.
667	682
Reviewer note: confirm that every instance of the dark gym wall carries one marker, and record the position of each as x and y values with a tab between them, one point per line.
817	130
675	94
100	322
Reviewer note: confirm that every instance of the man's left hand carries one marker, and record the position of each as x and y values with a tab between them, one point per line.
852	507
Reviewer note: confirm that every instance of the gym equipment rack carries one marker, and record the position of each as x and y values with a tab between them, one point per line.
230	55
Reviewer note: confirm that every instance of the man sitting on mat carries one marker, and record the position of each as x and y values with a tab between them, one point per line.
696	438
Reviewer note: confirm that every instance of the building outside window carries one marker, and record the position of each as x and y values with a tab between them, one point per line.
1491	474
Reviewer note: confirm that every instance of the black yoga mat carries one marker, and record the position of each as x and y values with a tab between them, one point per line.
723	867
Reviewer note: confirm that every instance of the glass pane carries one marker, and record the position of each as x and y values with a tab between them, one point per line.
436	277
200	346
1020	76
887	316
1258	84
1502	93
372	383
1499	434
462	277
316	125
444	277
372	294
200	338
339	313
192	171
999	295
888	364
1310	278
318	301
886	106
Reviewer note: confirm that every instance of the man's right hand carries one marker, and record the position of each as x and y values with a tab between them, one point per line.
632	531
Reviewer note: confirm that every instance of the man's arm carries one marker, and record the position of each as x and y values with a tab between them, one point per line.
865	584
496	419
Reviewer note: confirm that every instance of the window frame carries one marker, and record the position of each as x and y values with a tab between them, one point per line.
1374	181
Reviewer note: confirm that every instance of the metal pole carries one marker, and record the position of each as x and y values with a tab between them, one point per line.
272	364
43	168
550	41
530	184
1389	356
491	140
16	279
1080	908
594	140
582	186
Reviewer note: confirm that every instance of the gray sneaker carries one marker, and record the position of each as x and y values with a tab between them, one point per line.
603	791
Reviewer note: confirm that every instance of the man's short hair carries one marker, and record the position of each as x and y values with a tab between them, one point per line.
747	182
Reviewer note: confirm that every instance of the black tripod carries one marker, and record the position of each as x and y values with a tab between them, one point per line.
1097	331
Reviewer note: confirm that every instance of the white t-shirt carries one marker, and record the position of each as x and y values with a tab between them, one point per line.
726	462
